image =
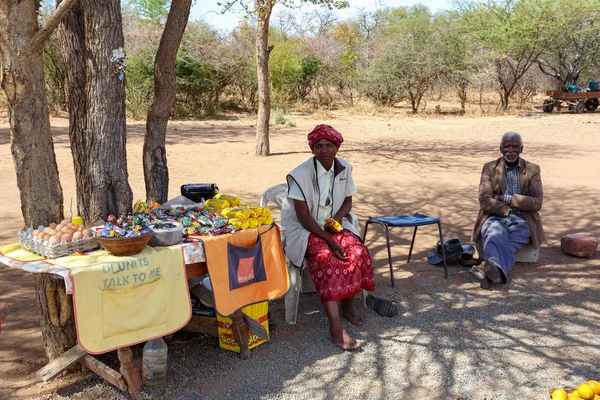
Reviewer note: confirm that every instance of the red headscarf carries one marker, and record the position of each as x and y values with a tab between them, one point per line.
324	132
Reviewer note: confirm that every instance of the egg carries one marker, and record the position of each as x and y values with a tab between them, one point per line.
80	228
65	221
66	237
53	225
88	233
47	229
52	232
54	240
65	229
35	233
77	235
45	237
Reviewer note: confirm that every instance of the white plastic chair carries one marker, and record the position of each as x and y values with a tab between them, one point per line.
298	274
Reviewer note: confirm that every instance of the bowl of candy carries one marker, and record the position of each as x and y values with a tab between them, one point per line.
166	233
122	237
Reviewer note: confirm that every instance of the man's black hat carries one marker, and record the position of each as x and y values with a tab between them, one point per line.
452	247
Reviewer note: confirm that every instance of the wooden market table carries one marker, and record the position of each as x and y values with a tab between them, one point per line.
128	377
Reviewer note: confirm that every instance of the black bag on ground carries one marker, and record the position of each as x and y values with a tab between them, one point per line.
198	191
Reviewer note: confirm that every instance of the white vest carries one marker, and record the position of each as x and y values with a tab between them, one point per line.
305	175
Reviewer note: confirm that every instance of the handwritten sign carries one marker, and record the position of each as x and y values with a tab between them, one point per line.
120	274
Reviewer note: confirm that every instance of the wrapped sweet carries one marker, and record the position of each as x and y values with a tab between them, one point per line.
333	226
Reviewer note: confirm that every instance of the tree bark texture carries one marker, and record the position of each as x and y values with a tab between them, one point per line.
21	45
156	172
71	33
263	10
56	311
31	142
106	189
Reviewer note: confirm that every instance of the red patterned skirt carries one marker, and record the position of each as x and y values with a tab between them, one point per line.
336	279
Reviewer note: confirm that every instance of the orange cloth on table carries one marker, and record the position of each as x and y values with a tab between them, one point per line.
275	285
123	300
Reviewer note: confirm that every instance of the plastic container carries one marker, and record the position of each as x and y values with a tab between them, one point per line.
593	85
154	362
77	220
166	233
572	88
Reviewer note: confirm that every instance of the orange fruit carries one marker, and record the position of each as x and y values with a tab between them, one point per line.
574	396
559	394
595	385
585	392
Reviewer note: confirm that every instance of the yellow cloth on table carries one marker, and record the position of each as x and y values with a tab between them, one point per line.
15	251
121	301
275	285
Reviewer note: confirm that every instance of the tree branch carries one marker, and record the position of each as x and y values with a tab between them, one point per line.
38	40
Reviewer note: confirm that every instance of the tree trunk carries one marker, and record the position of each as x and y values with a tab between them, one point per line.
30	137
106	189
263	9
21	44
56	311
156	173
71	33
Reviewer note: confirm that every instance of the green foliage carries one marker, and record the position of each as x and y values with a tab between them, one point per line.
140	82
310	66
55	78
519	32
279	116
379	85
574	55
285	70
411	57
198	87
388	56
152	11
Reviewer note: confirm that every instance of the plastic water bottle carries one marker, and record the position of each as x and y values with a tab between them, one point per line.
154	362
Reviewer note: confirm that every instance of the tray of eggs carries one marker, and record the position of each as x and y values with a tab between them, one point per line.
57	240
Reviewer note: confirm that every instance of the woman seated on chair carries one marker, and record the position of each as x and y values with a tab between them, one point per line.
340	264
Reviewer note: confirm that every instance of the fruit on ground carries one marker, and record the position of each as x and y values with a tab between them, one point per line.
595	385
559	394
585	392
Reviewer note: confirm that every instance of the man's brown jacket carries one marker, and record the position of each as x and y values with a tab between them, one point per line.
493	181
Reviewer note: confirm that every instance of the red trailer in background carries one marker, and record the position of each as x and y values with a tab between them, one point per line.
576	102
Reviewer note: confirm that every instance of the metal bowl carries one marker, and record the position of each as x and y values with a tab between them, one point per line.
166	233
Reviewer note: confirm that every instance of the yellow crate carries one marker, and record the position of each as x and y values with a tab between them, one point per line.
259	312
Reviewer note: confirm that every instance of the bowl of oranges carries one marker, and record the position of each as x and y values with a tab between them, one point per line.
586	391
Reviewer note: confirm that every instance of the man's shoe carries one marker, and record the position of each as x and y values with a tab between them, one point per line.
487	273
382	306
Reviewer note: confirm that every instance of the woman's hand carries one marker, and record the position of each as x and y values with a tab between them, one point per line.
337	250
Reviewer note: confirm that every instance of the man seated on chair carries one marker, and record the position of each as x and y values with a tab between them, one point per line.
340	264
510	196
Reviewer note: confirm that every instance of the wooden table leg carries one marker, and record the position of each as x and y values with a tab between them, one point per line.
130	372
240	334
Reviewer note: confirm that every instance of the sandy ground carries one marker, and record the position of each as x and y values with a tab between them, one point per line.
451	339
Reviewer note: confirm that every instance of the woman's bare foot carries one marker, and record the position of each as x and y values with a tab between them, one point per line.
344	341
351	316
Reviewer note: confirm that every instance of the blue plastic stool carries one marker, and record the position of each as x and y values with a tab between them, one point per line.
415	220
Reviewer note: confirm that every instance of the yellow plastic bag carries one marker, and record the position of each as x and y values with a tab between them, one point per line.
232	200
217	203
